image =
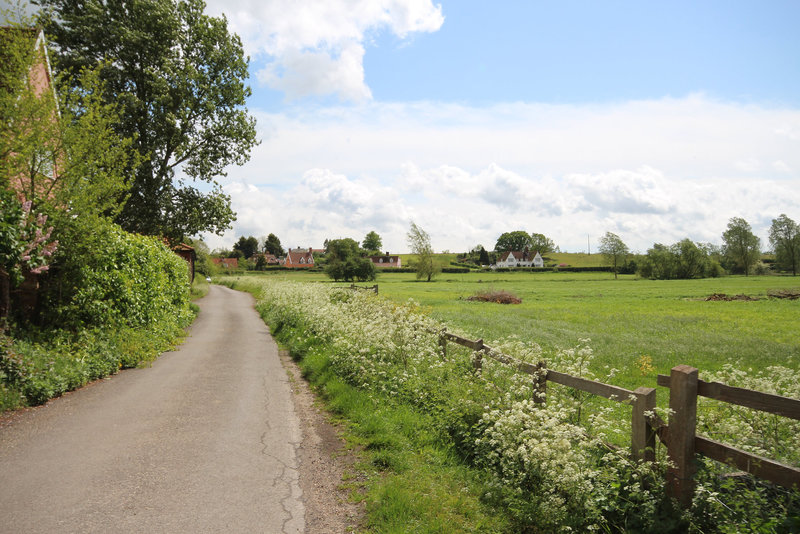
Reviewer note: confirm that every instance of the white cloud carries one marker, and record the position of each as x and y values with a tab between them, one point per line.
316	47
654	171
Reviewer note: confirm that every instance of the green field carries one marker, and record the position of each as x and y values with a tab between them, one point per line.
626	319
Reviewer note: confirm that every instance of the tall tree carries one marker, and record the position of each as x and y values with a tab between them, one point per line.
740	245
248	246
272	245
420	243
542	244
784	236
516	240
483	258
614	251
178	77
372	242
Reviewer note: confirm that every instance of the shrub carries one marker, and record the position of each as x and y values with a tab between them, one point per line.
109	276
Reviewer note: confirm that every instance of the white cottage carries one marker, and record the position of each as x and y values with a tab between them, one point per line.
514	258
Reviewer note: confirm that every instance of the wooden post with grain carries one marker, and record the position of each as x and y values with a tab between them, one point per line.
682	429
643	435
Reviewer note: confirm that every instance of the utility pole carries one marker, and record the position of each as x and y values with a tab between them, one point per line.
588	246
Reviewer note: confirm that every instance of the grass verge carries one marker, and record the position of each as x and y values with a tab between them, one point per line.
413	480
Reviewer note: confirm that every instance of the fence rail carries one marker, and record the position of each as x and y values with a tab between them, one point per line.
365	288
679	435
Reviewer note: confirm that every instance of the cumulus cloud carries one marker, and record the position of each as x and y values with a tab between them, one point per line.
623	191
317	47
654	171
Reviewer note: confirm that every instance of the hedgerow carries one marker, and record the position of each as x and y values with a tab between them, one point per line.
115	300
551	465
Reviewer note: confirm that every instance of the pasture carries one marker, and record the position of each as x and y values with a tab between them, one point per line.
640	327
629	321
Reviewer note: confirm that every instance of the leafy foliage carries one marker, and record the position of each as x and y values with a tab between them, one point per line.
109	277
740	245
248	246
420	243
346	261
272	245
516	240
178	77
784	236
682	260
372	243
614	251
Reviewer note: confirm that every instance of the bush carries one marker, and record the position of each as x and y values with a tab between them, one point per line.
118	299
110	277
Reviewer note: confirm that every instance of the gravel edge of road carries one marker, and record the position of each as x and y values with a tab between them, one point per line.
324	460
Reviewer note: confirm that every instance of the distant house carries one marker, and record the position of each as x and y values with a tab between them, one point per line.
271	259
226	263
301	258
386	261
514	258
187	253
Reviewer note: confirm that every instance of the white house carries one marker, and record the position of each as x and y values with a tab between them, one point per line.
514	258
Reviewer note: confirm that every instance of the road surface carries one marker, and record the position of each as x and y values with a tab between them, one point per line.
205	440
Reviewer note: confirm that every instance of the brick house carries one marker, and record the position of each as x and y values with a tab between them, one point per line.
299	258
226	263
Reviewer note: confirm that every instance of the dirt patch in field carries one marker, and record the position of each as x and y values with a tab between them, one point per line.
499	297
791	294
324	460
723	296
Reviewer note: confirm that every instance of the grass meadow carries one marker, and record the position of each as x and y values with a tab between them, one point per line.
640	327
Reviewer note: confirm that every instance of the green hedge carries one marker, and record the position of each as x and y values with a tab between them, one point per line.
112	300
112	277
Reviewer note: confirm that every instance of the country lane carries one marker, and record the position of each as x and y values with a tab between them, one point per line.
205	440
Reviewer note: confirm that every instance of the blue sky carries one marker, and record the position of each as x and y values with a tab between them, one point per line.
656	121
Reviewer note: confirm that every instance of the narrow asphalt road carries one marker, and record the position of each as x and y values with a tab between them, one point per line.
205	440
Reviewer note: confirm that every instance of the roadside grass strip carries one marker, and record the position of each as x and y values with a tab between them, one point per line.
454	449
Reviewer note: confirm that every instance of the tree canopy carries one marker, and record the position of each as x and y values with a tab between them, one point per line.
346	261
682	260
372	242
516	240
614	251
784	236
740	245
178	78
272	245
542	244
420	243
519	239
248	246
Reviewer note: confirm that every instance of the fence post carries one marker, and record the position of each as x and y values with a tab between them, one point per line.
443	344
375	288
643	436
477	358
682	427
540	383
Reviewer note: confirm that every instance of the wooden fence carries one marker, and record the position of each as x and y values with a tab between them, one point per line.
365	288
679	435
